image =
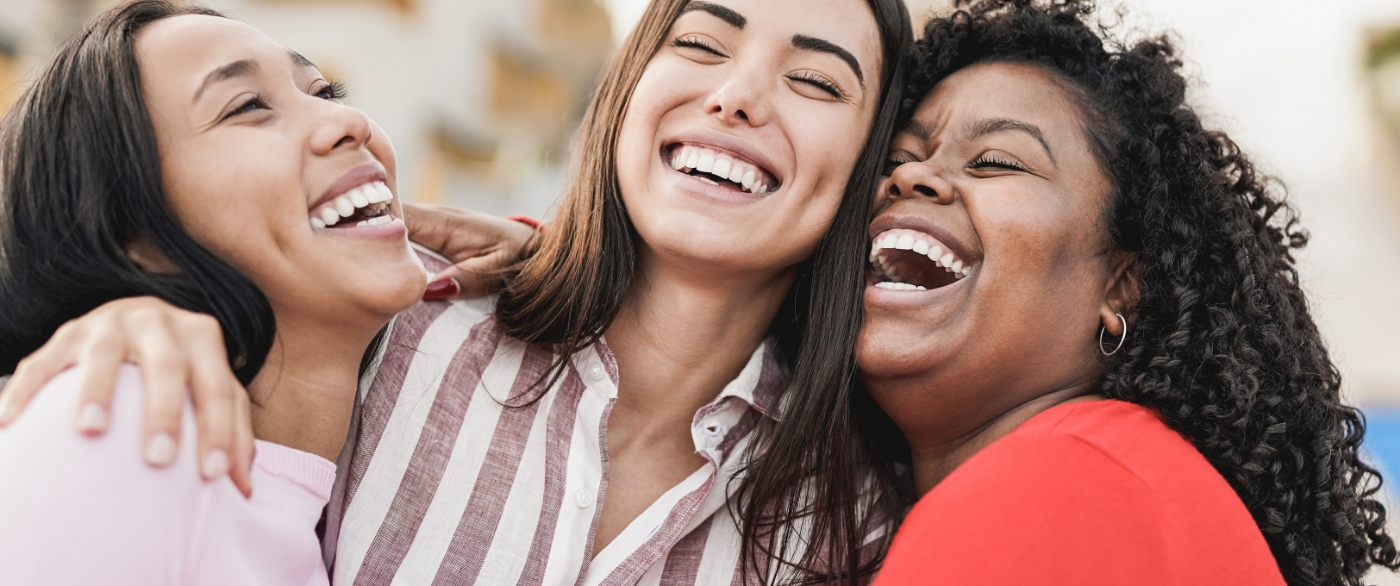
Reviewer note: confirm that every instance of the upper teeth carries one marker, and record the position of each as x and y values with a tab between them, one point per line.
750	177
920	243
344	206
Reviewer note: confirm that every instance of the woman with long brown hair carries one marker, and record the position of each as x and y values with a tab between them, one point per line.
592	423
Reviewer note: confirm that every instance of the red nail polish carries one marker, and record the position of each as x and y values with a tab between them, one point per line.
441	289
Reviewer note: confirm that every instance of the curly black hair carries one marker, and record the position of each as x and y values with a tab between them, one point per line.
1222	344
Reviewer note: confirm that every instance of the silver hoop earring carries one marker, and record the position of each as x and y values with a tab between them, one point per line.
1120	338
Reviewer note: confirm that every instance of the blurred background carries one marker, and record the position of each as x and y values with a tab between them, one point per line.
481	97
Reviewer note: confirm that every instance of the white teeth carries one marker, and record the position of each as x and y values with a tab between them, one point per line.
693	159
904	243
343	205
897	286
329	215
888	241
706	163
947	260
921	247
358	198
749	180
736	174
379	221
722	167
317	223
957	267
385	195
707	180
935	253
678	159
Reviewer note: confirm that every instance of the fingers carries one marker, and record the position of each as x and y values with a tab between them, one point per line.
220	402
35	370
165	367
102	356
243	448
472	277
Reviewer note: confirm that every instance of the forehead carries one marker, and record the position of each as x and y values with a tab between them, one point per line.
184	48
847	23
1001	90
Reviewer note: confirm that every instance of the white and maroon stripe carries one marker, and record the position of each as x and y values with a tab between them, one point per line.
447	485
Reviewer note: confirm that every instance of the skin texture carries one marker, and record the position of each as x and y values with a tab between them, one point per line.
244	161
713	272
961	366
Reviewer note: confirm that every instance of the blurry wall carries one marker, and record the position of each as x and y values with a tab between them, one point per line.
480	97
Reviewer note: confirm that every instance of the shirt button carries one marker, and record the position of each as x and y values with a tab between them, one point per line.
596	372
583	498
714	429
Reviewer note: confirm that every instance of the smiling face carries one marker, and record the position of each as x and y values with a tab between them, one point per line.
991	269
266	168
744	129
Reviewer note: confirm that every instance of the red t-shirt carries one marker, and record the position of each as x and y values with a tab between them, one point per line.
1088	493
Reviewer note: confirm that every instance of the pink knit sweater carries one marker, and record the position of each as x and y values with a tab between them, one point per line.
78	510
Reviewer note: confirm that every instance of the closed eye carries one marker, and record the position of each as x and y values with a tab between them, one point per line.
692	42
991	161
819	82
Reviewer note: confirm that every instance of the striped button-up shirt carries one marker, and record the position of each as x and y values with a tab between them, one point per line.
447	485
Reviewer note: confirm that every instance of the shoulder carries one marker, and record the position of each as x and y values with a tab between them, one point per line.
63	492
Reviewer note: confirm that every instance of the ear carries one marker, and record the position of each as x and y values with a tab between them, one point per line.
1120	292
144	255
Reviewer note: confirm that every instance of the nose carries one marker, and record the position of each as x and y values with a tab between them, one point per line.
738	101
918	179
340	127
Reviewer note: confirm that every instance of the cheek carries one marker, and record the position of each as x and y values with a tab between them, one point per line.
244	213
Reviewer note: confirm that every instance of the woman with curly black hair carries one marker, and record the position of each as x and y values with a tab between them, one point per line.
1086	320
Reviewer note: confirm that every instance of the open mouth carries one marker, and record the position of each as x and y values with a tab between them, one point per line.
366	205
720	168
909	260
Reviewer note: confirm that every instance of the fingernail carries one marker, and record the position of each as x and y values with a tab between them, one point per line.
92	418
215	465
160	449
442	289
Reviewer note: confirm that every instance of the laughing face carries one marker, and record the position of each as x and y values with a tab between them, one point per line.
269	171
991	269
744	129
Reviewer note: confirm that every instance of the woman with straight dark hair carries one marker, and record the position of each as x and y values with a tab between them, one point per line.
168	151
592	424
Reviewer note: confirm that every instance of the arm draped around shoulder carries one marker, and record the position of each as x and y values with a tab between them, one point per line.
1032	510
81	510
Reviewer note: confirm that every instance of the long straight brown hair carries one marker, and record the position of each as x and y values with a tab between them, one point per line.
570	289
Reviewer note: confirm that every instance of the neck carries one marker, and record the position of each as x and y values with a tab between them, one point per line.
304	395
935	458
679	340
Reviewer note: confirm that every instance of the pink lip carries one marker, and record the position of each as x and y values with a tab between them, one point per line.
891	221
727	144
360	175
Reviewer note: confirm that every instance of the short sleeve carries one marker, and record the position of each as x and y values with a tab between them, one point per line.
1032	510
84	510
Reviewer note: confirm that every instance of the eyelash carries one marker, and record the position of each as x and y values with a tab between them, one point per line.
988	161
806	77
335	89
695	43
819	82
892	163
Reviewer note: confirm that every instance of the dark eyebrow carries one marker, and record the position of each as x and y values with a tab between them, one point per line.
300	61
815	44
720	12
992	125
240	68
918	130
